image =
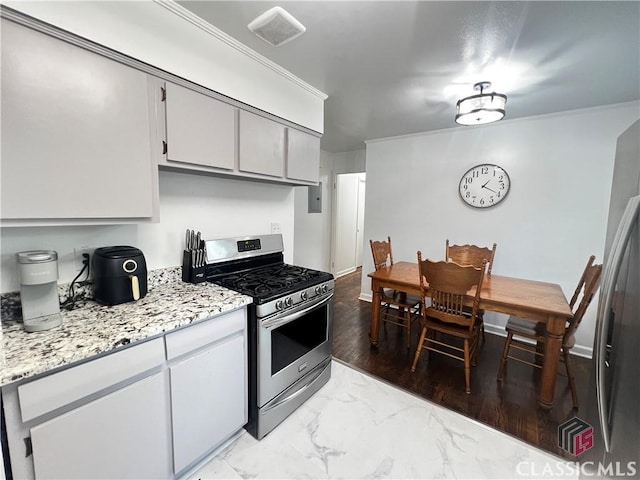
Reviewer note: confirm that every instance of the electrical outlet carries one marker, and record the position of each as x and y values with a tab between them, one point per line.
78	258
276	227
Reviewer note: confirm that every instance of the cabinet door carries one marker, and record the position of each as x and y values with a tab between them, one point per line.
200	130
208	399
261	145
303	156
75	132
125	434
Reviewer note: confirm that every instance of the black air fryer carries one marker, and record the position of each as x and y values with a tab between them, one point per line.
119	275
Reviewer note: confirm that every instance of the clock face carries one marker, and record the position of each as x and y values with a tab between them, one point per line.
484	185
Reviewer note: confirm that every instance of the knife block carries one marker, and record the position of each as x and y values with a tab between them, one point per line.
190	273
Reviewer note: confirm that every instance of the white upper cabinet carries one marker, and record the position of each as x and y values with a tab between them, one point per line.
261	145
200	130
303	156
202	133
76	134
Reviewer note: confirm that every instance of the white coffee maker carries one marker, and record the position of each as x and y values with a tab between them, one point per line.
38	271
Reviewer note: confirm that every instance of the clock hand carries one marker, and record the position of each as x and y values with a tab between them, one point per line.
490	189
485	183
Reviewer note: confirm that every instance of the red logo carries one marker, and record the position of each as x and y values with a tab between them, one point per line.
575	436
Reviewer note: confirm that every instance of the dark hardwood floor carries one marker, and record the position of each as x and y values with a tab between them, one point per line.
510	407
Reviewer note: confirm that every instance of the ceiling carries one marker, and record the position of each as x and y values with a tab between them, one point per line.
398	67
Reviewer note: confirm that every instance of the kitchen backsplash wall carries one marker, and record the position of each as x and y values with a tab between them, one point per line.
217	207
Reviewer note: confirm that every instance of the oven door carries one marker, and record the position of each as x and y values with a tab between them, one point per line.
291	344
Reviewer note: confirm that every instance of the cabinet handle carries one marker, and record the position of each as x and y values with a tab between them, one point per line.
28	446
164	147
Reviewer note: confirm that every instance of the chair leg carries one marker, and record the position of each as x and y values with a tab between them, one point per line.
572	380
408	319
384	317
505	352
467	367
419	349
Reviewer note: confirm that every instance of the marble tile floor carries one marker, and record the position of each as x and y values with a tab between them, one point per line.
359	427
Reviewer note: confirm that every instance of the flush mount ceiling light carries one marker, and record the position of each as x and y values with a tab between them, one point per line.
276	26
481	108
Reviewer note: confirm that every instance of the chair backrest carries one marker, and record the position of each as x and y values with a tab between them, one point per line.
447	284
470	255
586	289
381	251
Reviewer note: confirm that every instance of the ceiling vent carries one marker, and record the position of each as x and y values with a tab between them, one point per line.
276	26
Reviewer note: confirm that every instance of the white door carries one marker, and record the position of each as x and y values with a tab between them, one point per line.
348	199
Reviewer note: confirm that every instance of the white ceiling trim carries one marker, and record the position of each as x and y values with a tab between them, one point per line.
543	116
187	15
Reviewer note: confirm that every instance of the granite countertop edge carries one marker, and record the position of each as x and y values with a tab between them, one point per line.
93	329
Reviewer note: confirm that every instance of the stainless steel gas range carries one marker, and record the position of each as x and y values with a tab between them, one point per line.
290	324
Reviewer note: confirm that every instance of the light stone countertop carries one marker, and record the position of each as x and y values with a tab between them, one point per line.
93	329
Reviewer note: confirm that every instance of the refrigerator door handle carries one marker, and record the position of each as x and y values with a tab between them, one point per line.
612	269
607	355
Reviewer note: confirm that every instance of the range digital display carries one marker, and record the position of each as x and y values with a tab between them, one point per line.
249	245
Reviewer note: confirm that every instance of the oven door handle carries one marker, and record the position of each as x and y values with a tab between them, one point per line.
286	397
276	322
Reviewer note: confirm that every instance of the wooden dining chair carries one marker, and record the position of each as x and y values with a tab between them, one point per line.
447	284
470	255
396	307
521	332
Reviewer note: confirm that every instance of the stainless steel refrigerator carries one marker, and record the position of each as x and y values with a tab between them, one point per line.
613	406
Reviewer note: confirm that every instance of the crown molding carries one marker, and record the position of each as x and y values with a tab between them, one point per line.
198	22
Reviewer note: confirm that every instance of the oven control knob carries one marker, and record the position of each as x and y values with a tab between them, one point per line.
318	290
325	288
279	305
303	296
288	302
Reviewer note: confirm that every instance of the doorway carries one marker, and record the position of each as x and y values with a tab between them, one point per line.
348	228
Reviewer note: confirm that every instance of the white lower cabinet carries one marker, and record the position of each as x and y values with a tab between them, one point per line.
208	371
149	411
125	434
208	400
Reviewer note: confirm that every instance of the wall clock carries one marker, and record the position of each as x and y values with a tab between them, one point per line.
484	185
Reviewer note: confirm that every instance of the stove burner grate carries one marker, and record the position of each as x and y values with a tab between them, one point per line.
272	281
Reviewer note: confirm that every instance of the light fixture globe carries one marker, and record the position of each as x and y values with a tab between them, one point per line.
482	108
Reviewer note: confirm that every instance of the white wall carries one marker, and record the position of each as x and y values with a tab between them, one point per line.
167	36
312	235
555	216
216	207
313	231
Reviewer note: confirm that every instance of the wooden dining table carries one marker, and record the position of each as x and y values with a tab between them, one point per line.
530	299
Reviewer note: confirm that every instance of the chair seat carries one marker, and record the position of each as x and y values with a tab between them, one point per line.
467	311
450	328
409	298
526	328
403	299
